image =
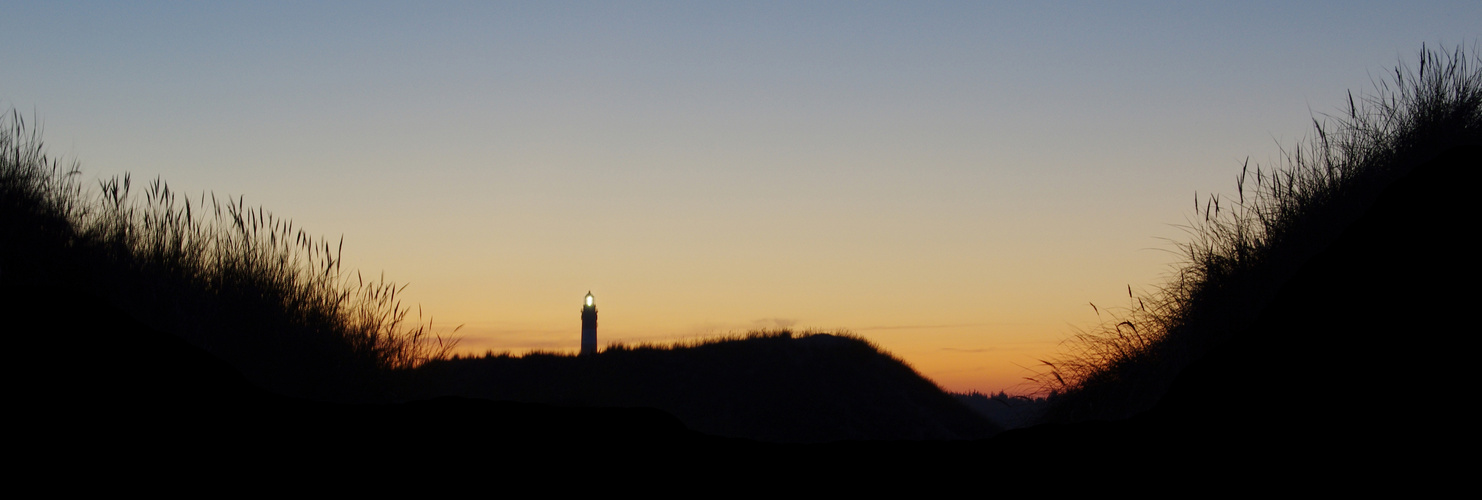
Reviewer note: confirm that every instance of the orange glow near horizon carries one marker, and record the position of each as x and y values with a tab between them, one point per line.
957	338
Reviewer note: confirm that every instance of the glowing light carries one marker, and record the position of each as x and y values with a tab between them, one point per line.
589	299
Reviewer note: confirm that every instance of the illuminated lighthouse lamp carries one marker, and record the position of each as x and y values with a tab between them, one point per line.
589	326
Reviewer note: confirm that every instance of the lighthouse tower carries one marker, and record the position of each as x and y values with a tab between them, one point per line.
589	326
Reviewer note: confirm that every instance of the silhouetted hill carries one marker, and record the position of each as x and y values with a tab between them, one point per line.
114	380
771	386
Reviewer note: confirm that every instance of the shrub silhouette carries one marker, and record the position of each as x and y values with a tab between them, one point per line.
1242	250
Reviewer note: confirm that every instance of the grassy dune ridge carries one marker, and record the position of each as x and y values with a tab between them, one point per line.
1242	248
249	287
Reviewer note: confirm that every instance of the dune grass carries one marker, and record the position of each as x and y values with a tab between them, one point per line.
267	297
1242	248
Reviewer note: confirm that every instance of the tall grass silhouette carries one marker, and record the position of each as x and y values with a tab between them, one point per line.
1242	248
267	297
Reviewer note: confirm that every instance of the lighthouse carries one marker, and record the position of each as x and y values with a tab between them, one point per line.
589	326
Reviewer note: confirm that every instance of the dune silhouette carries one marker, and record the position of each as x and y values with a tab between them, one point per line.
770	386
1339	361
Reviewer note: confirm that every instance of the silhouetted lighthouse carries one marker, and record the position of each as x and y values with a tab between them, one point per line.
589	326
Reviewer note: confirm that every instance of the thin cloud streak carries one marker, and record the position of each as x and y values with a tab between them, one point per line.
924	327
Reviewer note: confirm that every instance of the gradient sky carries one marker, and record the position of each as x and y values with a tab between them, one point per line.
954	181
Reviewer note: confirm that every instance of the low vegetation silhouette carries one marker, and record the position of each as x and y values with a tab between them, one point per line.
1244	249
1007	410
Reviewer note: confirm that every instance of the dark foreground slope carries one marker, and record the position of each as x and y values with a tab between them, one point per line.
91	369
112	382
1361	345
1352	371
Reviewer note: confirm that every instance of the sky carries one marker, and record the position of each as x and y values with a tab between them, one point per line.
955	181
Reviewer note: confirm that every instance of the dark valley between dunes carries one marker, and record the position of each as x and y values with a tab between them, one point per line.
1322	339
1303	379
